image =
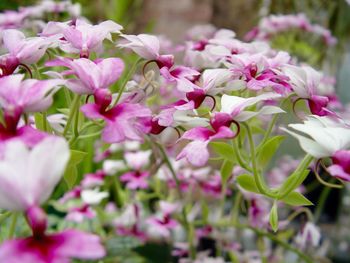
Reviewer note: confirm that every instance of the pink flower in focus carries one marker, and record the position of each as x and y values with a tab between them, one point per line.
92	75
123	121
21	50
196	152
81	37
148	47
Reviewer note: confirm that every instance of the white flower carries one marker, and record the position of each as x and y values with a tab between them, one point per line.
235	106
93	197
137	160
321	136
28	176
111	167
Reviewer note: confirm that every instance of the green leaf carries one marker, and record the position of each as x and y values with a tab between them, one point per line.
267	150
118	246
76	157
226	171
224	150
296	199
287	183
247	182
274	217
71	174
205	211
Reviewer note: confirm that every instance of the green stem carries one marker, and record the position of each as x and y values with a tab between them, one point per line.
270	236
73	109
235	209
45	128
329	185
321	202
13	225
187	225
127	78
301	210
259	180
239	157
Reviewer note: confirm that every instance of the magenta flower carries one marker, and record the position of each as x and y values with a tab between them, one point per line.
135	179
181	76
92	75
43	248
305	83
341	165
21	50
123	121
18	97
148	47
161	226
196	152
81	37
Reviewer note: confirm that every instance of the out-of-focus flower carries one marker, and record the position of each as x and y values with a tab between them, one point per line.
321	136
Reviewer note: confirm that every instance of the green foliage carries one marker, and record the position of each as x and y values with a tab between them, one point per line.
71	173
274	217
247	182
268	150
296	199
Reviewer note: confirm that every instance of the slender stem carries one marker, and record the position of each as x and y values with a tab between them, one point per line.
262	249
270	236
300	211
187	225
259	180
73	109
44	114
171	168
269	129
236	206
127	78
330	185
321	202
239	157
13	225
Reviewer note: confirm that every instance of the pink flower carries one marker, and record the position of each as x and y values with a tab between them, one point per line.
43	248
81	37
305	83
137	160
78	214
341	165
181	76
161	226
92	75
21	50
28	176
123	121
135	179
309	235
148	47
196	152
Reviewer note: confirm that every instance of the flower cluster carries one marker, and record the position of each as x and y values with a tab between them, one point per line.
275	24
142	139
